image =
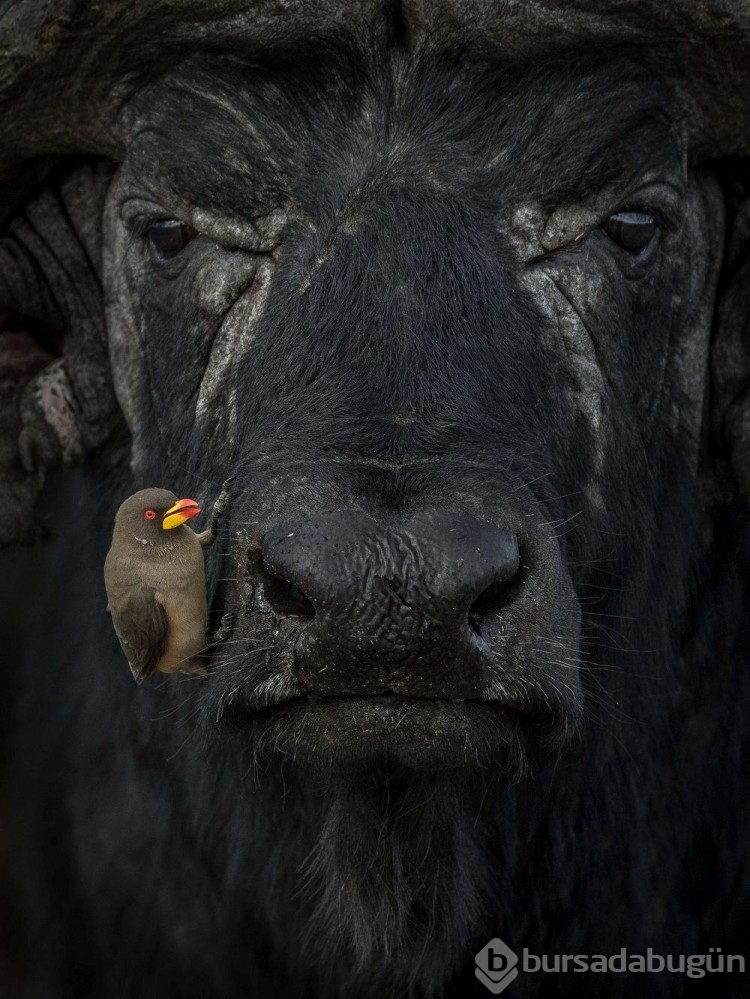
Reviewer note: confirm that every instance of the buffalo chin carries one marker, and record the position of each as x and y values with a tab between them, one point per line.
350	734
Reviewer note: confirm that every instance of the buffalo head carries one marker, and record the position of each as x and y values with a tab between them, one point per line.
460	307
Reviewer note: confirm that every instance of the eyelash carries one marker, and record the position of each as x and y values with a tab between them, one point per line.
136	230
138	226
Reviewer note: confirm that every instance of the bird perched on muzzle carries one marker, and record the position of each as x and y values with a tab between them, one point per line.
156	583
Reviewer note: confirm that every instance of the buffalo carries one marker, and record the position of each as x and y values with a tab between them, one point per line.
457	295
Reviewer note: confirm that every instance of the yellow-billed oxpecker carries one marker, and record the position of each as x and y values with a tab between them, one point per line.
156	585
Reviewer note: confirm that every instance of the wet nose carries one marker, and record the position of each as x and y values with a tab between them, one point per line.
390	609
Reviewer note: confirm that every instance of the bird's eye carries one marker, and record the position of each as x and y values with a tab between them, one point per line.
150	514
169	236
633	231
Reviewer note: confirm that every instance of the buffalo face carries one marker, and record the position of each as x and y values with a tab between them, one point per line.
436	320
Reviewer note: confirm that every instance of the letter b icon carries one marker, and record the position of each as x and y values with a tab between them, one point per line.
496	966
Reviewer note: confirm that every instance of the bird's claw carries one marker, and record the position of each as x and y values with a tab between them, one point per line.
224	630
222	501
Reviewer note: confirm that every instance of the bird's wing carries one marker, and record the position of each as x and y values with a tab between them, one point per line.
141	625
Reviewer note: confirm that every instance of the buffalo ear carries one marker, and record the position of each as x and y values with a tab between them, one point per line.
57	403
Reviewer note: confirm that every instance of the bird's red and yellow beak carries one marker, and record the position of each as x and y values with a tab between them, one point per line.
183	510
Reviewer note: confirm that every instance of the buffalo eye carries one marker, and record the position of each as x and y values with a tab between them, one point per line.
633	231
150	514
169	236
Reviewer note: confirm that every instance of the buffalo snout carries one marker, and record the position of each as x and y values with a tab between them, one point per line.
394	608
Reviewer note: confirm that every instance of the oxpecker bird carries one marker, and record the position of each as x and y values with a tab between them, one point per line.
156	584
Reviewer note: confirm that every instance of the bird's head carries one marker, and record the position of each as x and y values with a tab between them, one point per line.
150	512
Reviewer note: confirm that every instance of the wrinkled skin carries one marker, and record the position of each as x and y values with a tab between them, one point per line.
403	318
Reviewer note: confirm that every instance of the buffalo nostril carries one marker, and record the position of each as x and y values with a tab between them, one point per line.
287	598
498	595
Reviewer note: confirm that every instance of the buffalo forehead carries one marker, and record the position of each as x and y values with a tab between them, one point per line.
242	136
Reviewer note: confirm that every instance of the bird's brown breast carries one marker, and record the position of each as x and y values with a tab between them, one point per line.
169	573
